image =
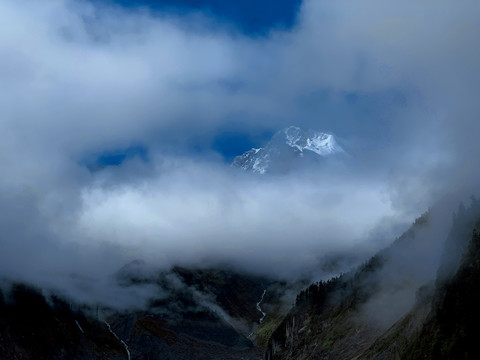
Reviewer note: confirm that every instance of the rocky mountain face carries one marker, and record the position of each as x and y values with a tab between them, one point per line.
286	149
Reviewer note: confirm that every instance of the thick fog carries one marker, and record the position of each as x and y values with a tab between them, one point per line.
396	82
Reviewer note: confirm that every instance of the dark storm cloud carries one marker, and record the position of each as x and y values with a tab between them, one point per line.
395	81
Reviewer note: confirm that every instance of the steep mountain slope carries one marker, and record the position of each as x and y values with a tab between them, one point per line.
203	314
451	330
286	148
392	308
32	328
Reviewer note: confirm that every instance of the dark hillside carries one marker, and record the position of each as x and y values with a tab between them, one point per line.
32	328
451	331
346	316
424	313
201	318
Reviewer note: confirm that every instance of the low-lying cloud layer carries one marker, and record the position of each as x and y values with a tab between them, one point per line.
396	81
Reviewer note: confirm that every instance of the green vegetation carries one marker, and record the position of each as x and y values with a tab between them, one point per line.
340	328
266	329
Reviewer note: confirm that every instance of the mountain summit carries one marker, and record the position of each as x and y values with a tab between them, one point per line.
285	148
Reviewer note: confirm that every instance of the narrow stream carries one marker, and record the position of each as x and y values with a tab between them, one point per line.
123	342
259	308
76	322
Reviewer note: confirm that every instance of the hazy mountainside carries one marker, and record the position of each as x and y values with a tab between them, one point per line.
391	309
31	327
200	314
286	148
416	299
451	330
457	242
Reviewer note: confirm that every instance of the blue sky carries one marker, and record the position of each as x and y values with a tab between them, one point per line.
251	17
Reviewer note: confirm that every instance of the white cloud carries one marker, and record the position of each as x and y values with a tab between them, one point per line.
76	80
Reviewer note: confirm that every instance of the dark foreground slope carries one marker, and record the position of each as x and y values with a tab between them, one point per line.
31	328
387	310
205	316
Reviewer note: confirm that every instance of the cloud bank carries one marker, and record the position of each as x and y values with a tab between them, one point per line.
396	81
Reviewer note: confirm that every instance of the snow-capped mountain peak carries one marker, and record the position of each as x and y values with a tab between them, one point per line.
279	154
321	143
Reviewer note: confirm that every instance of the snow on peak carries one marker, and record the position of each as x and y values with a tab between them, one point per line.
284	147
321	143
